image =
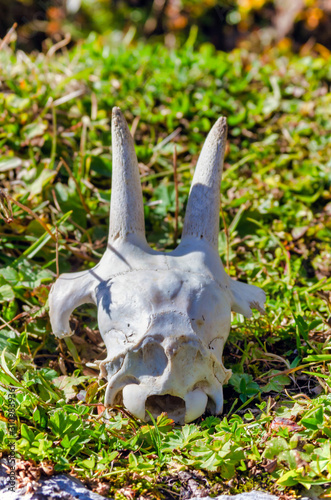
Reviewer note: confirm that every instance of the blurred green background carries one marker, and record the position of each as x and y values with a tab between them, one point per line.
224	23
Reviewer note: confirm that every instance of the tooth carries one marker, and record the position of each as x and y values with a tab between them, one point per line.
216	395
196	402
134	399
115	384
219	402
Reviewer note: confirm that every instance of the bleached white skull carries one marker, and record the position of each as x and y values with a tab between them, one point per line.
164	316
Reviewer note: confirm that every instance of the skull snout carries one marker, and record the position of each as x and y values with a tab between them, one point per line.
167	373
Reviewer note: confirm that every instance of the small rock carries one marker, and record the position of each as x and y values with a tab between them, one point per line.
61	487
252	495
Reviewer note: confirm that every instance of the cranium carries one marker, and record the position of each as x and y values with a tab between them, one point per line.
164	316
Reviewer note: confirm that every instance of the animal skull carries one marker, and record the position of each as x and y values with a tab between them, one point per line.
164	316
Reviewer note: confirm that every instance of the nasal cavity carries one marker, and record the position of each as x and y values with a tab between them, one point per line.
172	405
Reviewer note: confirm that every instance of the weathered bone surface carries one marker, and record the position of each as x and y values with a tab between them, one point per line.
164	316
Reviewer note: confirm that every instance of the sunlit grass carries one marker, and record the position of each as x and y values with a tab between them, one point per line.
55	162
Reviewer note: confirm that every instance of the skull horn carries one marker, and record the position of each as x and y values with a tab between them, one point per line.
203	207
126	207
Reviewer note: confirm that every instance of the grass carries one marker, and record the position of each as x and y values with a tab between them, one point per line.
55	163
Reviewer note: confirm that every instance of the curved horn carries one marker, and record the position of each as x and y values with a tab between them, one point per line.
203	207
126	206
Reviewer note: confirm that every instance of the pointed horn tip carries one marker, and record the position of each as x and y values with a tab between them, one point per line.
120	127
221	127
117	117
116	111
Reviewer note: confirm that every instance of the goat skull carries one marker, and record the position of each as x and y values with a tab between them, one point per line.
164	316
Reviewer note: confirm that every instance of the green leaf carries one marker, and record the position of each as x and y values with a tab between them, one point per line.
6	369
6	293
274	447
91	391
290	478
40	417
9	164
34	130
276	384
317	358
10	274
65	442
314	419
27	433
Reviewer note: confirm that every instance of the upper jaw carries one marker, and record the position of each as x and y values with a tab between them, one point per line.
183	402
142	403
